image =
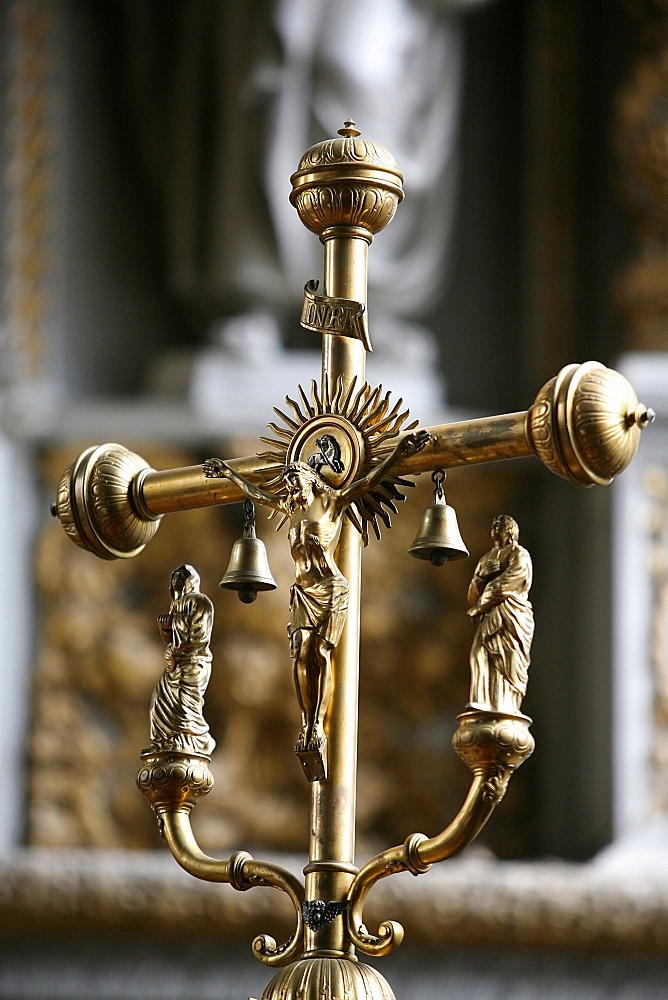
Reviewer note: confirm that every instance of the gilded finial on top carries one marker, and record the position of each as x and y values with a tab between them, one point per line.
350	129
348	182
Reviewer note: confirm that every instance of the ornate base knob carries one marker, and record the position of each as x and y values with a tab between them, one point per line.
493	739
174	780
328	979
493	744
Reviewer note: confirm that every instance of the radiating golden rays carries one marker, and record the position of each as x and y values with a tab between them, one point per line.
368	411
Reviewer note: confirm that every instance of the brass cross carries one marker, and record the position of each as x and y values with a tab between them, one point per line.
584	424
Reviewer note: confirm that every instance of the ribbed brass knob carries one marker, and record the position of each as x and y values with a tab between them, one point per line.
315	978
347	183
98	502
585	424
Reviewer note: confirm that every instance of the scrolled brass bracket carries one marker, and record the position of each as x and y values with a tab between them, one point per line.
265	947
493	745
390	935
412	860
238	878
242	872
172	783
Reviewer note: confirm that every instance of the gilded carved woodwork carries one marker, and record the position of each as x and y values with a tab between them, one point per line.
641	140
656	485
29	182
546	905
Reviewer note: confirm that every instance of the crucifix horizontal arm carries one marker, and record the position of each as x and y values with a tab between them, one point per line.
584	425
467	442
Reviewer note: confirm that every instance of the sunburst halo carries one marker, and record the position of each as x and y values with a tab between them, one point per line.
365	417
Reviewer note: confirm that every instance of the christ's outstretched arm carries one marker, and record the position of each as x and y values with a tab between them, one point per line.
216	468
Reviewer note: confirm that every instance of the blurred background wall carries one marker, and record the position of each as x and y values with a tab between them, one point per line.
151	277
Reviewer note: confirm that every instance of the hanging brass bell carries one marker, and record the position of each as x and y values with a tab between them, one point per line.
248	571
438	538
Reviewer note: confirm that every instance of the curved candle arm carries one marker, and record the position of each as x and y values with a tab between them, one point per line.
493	745
172	783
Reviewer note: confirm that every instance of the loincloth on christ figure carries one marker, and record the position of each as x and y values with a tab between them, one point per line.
321	607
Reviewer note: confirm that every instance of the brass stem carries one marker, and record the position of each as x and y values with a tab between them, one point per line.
465	827
188	489
470	442
493	745
333	801
241	870
416	855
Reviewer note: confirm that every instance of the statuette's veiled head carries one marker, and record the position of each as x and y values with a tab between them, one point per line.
184	579
505	529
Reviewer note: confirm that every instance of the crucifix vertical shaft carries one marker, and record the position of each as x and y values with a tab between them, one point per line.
345	190
332	839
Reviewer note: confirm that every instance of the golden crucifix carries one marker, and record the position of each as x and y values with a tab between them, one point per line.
335	467
320	593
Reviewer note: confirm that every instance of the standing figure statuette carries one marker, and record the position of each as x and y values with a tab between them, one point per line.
499	605
176	716
319	595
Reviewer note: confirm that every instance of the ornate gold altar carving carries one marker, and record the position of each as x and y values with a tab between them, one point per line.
474	902
29	181
656	484
641	132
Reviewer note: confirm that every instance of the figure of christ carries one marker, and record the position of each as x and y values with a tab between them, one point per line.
176	715
500	607
319	595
